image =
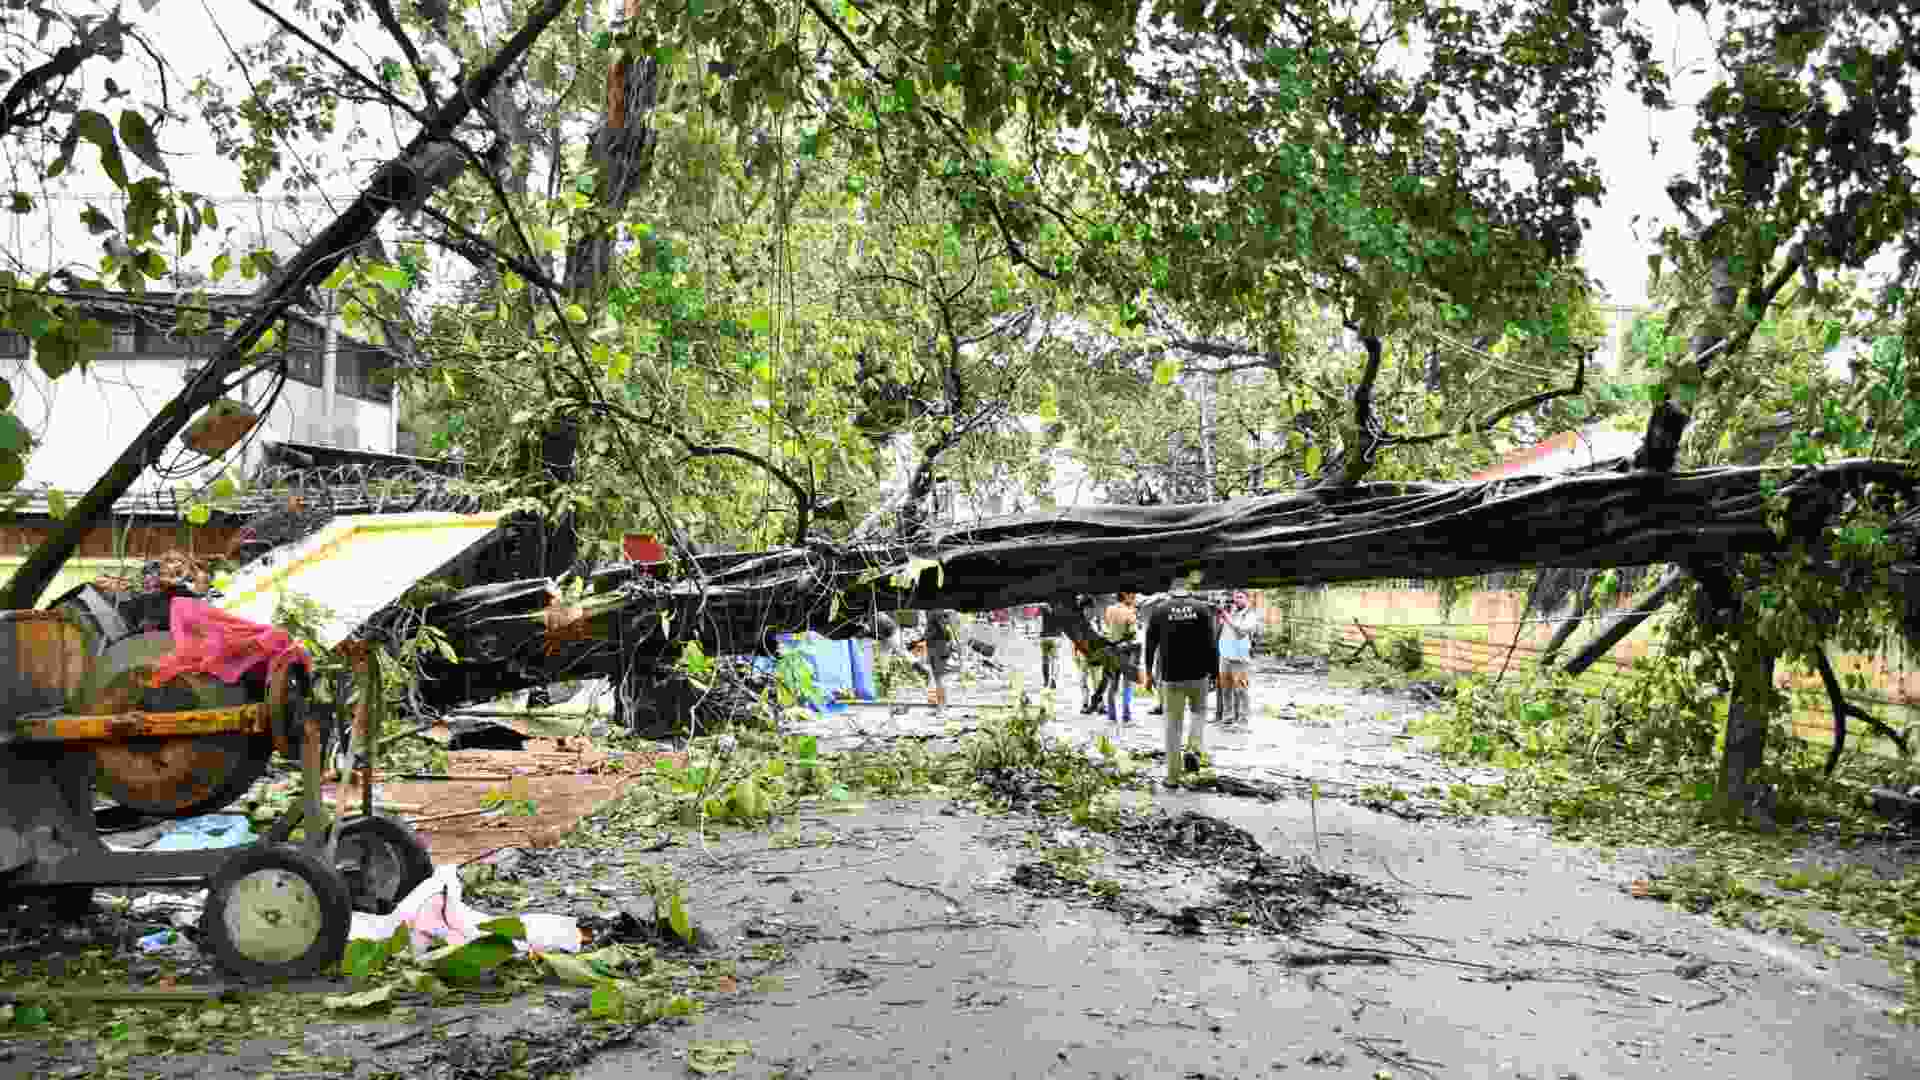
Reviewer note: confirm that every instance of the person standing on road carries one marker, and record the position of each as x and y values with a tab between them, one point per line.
939	657
1115	674
1237	625
1181	638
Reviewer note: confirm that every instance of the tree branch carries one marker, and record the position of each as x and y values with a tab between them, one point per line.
383	10
801	497
1493	420
1842	708
381	91
15	108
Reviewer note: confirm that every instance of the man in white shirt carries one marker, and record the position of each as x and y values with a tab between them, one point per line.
1238	623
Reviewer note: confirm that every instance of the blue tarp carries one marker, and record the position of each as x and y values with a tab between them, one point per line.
205	833
840	668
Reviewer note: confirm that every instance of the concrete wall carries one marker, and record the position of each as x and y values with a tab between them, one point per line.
83	420
1481	629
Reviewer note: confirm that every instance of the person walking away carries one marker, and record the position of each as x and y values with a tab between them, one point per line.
1094	611
1148	675
1117	627
1181	640
939	657
1238	623
1049	647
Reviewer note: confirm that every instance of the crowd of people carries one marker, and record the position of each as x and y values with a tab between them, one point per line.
1180	645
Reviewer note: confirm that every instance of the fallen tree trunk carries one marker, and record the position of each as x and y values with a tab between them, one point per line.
1371	531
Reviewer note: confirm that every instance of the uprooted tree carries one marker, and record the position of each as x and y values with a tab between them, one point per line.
671	299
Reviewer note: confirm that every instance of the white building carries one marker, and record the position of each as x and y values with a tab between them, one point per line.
338	392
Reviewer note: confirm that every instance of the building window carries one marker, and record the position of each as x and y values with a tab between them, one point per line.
126	335
364	372
12	344
305	361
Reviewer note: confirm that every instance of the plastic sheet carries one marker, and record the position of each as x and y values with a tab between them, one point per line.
437	916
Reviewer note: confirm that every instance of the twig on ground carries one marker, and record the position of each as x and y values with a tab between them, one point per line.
1565	943
1714	1000
823	869
946	925
1392	1056
1411	941
408	1036
1418	891
891	880
455	814
1340	956
1395	953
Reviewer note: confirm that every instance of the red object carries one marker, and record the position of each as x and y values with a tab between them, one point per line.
225	646
642	548
1033	611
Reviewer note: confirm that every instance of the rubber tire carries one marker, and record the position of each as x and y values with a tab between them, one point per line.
416	865
336	913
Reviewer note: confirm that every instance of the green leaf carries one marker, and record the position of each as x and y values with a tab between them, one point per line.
199	514
1312	464
677	919
711	1056
13	469
606	1001
507	926
584	184
98	130
1165	370
334	279
572	969
22	203
14	436
138	138
472	960
576	314
268	338
391	278
761	321
365	999
56	503
223	264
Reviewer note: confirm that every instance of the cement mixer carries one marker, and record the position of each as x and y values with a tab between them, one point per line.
84	713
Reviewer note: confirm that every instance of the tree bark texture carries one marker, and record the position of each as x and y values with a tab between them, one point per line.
1749	711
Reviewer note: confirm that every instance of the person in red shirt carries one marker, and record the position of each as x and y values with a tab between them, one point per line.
1182	635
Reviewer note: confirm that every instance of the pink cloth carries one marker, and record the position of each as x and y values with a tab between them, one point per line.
206	639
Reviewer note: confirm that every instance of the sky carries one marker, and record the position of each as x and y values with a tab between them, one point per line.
187	32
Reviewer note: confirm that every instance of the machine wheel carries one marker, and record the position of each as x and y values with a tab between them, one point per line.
274	910
382	861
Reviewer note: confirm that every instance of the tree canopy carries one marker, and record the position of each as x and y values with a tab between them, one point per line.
746	273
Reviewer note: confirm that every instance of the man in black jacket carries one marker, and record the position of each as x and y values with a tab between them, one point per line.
1181	636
